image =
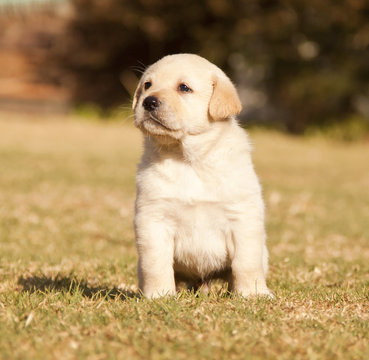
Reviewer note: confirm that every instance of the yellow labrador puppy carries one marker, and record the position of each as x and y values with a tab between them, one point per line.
199	209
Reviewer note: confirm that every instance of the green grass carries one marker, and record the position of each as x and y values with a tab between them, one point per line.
67	254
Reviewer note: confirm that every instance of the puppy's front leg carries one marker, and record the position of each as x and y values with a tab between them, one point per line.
249	262
155	264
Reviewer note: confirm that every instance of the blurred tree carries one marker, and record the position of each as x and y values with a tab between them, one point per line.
296	63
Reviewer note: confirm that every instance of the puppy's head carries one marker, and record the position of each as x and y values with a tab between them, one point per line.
183	94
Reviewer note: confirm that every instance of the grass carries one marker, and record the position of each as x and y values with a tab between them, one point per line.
67	254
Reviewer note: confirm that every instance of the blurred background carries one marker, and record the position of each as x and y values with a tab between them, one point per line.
300	66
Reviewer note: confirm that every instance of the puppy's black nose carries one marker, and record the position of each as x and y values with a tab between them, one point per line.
151	103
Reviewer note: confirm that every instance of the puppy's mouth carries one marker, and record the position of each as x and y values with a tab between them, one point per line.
157	121
153	118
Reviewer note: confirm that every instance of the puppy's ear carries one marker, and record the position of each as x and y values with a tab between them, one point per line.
224	101
137	95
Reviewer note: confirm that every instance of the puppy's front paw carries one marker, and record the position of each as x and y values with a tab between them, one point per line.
251	293
254	291
157	293
250	286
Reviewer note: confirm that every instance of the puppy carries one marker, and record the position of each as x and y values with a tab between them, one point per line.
199	212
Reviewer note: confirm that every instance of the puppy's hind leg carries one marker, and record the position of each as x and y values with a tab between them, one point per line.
202	286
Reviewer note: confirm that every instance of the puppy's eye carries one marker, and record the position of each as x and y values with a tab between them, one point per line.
147	85
184	88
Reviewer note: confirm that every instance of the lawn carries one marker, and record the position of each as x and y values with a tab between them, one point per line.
68	260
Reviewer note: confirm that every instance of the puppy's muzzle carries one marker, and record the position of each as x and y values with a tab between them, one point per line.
151	103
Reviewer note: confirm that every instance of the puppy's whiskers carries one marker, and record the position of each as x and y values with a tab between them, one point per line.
141	68
137	69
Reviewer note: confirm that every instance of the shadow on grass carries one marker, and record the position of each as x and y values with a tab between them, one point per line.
72	285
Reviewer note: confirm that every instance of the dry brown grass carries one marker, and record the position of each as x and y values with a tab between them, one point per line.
67	265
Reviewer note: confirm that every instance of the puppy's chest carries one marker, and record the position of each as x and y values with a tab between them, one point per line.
198	208
180	192
189	185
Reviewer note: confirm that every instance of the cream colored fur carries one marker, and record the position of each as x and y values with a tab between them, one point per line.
199	209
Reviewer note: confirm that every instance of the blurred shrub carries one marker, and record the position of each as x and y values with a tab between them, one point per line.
300	63
352	129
